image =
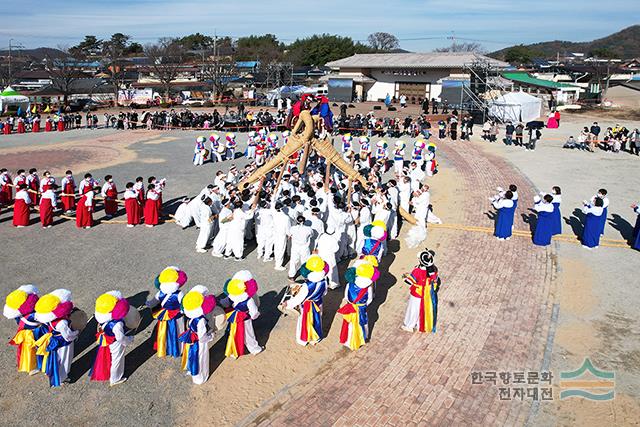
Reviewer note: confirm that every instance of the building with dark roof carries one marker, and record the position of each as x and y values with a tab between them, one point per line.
374	76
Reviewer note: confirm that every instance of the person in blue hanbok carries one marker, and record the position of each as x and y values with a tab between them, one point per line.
504	219
557	215
514	190
602	194
592	223
635	237
544	227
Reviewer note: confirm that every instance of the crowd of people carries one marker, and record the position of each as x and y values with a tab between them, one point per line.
548	217
242	120
187	323
613	139
316	217
142	202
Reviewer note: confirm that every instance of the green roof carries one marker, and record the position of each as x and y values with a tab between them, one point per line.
529	79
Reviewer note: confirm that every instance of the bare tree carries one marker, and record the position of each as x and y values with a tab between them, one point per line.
462	47
383	41
165	57
113	55
218	73
4	75
63	73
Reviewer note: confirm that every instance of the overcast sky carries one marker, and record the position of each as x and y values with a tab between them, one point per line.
421	25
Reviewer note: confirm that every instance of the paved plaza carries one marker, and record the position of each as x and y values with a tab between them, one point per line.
505	306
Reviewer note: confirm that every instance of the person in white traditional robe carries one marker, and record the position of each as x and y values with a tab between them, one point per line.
301	235
327	247
220	241
281	228
206	225
236	231
264	231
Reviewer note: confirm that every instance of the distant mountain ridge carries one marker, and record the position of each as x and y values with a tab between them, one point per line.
624	44
38	53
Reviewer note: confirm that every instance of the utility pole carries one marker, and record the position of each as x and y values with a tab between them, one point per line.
11	46
452	37
606	89
215	62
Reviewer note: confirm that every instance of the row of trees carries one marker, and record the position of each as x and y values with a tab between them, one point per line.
215	56
313	50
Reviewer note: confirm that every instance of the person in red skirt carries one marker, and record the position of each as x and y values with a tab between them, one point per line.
6	192
131	205
21	211
159	187
33	182
60	124
151	211
87	184
139	188
35	124
84	210
68	184
6	129
110	196
21	128
46	181
21	178
48	202
48	124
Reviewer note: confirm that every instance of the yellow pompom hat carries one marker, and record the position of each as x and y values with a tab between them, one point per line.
170	280
111	306
314	269
198	302
241	286
21	302
54	305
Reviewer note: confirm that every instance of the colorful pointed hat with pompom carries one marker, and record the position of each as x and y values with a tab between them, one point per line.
241	286
364	139
315	269
382	143
21	302
54	305
170	280
286	134
432	147
230	136
347	137
111	306
362	274
377	230
214	137
273	138
400	144
198	302
201	139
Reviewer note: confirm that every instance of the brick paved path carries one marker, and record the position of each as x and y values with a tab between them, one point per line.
494	316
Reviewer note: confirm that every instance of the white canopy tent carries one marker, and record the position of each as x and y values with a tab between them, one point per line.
11	98
287	91
515	107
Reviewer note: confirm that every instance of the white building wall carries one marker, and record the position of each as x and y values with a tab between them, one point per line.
379	90
386	81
